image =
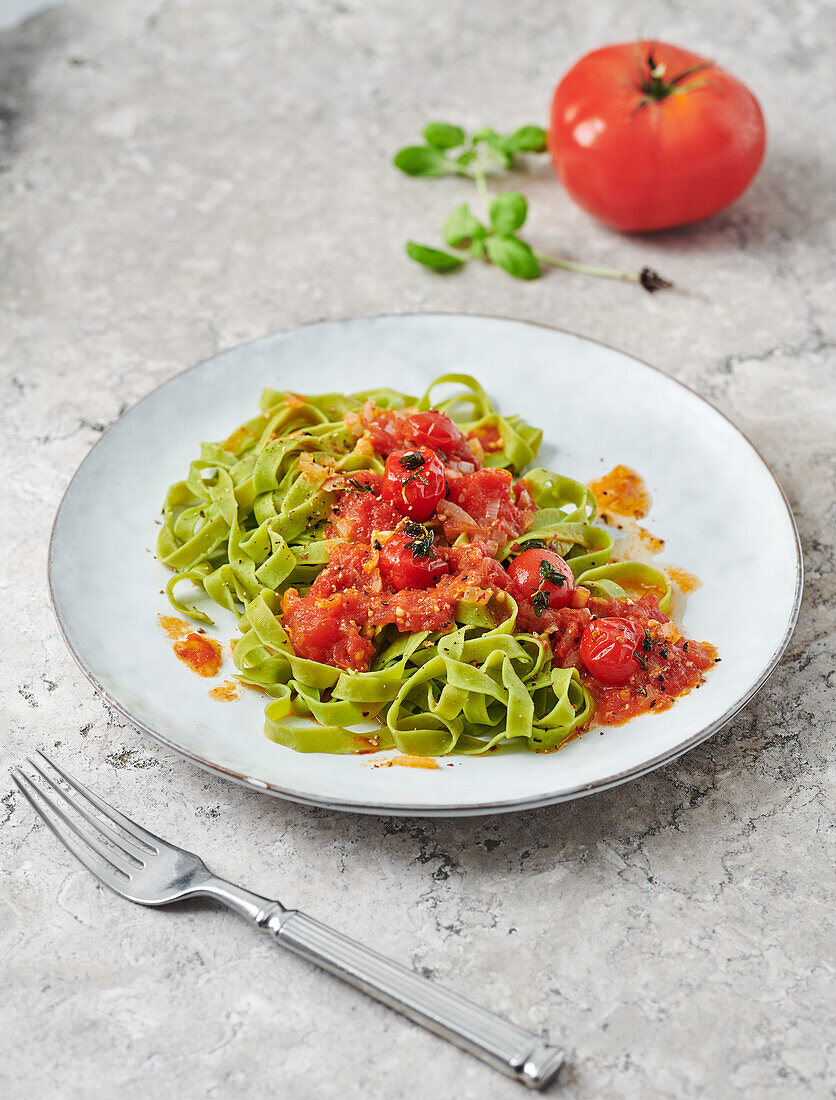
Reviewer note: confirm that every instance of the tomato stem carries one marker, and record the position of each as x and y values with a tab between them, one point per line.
586	269
656	88
648	278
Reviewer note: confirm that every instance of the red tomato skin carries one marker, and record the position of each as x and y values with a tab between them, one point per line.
433	429
524	571
669	162
414	492
608	650
401	570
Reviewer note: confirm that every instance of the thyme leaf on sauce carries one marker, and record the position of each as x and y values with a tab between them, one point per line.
552	575
421	539
548	575
413	460
356	486
540	601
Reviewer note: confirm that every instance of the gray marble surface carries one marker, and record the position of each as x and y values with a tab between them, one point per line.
178	177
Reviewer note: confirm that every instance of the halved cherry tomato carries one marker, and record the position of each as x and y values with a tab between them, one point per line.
645	135
542	578
608	650
433	429
414	482
408	560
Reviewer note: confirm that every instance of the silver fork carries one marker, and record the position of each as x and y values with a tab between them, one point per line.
142	867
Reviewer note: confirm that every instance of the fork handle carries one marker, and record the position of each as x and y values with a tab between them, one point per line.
512	1050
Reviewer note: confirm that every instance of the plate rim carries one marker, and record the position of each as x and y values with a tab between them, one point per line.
403	809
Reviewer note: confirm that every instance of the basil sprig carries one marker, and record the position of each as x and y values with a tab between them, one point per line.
449	151
496	242
436	157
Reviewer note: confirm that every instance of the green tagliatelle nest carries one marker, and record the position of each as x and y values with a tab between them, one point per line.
247	524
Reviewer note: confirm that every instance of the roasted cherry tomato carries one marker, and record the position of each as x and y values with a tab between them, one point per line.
608	650
543	578
414	482
644	135
408	560
433	429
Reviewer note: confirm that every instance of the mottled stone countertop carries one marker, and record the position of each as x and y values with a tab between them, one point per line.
177	177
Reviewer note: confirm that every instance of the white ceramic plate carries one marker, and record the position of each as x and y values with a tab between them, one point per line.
715	502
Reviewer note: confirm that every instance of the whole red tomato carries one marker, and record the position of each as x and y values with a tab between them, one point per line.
645	135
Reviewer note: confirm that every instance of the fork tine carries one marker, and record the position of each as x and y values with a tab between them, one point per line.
125	845
109	855
103	871
153	841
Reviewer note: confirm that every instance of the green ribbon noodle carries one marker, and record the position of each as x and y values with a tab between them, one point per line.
247	523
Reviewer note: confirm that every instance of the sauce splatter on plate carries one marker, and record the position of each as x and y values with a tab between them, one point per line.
173	628
686	582
622	491
201	654
428	762
227	692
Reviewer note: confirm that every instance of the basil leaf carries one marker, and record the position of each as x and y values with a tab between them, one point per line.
433	258
486	134
423	160
461	227
528	139
513	256
497	156
441	135
508	212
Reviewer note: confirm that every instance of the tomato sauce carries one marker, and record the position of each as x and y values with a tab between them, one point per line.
427	762
201	654
326	629
635	543
389	430
488	438
379	550
227	692
360	512
650	543
568	625
672	664
621	491
684	581
484	506
173	627
348	602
